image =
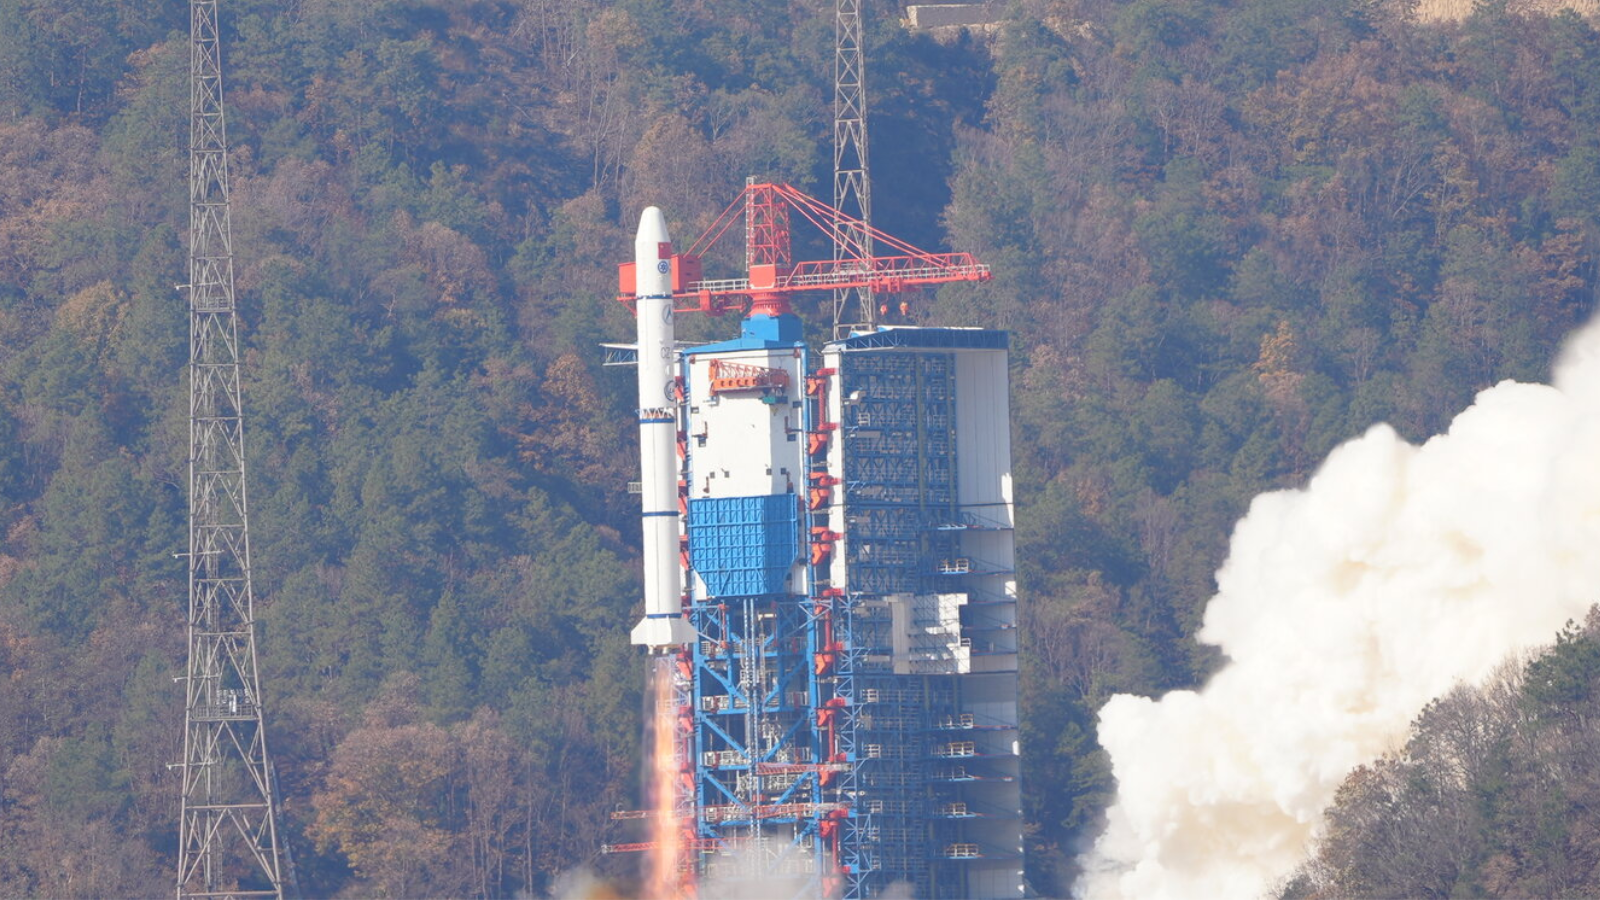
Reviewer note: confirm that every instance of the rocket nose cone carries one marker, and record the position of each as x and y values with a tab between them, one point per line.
652	227
652	256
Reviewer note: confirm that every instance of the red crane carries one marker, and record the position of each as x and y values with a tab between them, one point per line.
773	274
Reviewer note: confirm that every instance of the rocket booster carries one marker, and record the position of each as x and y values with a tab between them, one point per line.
663	625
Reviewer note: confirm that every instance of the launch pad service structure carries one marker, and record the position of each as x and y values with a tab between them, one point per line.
829	555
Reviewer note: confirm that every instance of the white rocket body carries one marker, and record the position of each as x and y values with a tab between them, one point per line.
663	625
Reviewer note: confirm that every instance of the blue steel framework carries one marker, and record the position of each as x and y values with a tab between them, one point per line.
925	790
758	742
899	476
812	759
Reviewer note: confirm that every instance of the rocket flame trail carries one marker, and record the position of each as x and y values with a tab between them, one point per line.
662	865
1343	608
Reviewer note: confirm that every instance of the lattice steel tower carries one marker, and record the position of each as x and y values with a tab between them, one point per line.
227	832
852	188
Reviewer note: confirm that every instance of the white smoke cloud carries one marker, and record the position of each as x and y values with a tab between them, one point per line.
581	884
743	875
1343	608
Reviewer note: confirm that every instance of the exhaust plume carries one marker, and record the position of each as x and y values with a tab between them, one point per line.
1343	608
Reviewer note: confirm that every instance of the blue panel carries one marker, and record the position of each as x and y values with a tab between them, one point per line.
761	332
744	546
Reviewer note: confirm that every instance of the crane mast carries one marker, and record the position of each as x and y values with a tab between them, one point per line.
853	307
227	831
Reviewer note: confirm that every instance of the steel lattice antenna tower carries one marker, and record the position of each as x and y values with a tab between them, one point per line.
227	832
852	188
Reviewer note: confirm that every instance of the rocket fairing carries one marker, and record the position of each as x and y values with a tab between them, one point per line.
663	626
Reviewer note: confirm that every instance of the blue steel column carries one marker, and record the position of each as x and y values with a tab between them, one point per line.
851	827
858	861
744	727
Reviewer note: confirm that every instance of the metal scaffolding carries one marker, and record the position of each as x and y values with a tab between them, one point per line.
899	470
765	802
227	833
852	185
935	791
851	697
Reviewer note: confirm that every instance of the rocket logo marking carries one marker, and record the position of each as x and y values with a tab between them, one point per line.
666	314
663	267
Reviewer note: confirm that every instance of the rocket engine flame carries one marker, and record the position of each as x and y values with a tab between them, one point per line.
1343	608
662	878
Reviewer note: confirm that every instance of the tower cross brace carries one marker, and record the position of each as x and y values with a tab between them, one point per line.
852	188
227	828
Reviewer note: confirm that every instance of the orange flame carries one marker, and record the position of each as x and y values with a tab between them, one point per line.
664	866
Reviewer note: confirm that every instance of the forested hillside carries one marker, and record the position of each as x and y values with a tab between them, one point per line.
1493	794
1226	234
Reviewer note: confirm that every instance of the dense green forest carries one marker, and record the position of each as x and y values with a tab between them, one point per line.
1226	235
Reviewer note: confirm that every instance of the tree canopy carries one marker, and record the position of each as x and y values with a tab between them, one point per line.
1492	795
1226	235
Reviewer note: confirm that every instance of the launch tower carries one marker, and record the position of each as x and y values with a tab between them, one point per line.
227	828
845	556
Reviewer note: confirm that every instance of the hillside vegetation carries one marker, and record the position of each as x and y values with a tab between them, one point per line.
1226	234
1431	10
1493	795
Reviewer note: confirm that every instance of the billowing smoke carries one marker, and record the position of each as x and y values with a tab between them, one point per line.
1343	608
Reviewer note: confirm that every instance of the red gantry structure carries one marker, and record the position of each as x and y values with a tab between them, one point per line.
774	276
833	648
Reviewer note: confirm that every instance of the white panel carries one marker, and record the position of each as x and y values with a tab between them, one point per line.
838	571
740	446
983	434
927	634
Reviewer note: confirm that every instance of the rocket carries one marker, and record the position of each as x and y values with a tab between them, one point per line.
663	626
